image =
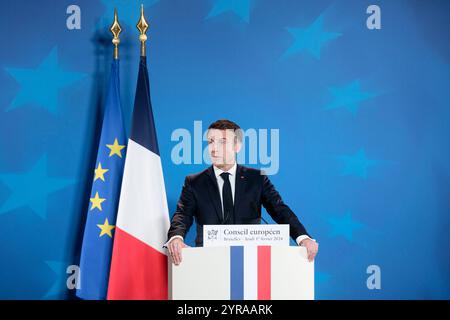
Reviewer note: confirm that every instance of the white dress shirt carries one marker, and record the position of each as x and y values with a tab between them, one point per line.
220	181
232	177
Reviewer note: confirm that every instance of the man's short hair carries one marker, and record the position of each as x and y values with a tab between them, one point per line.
224	124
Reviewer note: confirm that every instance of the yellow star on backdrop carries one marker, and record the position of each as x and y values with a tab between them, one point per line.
99	172
97	202
106	228
115	148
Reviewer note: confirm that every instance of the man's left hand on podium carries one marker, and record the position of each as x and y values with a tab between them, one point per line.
311	248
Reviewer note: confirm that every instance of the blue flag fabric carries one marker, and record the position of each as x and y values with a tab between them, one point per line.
101	217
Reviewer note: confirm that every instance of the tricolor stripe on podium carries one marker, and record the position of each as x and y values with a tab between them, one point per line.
250	272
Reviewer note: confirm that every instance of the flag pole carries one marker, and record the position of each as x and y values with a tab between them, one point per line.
116	30
142	26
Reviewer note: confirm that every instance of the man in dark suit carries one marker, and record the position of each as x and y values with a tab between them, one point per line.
228	193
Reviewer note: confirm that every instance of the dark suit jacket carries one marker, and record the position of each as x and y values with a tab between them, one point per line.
200	199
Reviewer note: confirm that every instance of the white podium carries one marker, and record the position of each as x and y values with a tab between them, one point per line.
242	273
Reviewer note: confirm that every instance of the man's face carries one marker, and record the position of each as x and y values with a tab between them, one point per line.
222	146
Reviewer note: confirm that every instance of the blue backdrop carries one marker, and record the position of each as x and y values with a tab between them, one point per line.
363	118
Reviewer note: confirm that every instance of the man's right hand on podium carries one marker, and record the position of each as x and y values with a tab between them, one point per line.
174	247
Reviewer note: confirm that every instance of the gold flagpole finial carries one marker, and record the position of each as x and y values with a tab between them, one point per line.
142	26
116	30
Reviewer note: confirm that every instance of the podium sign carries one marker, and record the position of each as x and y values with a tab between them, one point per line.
246	234
243	262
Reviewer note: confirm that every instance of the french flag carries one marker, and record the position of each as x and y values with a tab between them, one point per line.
139	262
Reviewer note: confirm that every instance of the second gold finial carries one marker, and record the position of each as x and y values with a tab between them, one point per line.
142	26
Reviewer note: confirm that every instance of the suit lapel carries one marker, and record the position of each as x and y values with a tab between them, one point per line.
214	195
239	187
